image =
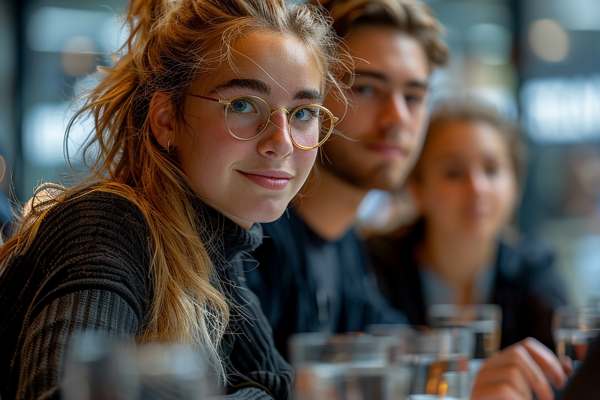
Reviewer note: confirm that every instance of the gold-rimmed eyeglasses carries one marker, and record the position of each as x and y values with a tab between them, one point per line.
247	117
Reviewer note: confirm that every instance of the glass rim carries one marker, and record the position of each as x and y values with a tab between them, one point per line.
334	119
454	311
289	112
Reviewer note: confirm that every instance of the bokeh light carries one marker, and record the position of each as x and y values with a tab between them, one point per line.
549	40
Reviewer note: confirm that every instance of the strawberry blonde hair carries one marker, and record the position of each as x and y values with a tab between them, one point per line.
171	44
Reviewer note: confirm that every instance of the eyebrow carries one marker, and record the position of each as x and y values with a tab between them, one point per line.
260	86
310	94
416	83
253	84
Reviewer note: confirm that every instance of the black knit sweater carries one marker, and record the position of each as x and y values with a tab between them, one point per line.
88	268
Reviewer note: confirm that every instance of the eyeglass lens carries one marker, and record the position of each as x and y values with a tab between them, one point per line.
246	117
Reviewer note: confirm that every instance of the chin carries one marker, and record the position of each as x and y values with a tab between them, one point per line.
479	230
384	182
265	211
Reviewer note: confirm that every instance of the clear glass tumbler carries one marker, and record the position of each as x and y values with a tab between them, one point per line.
484	320
574	329
103	368
352	366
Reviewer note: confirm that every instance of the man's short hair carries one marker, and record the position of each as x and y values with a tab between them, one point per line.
409	16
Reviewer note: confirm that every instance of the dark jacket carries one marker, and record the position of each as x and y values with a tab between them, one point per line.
583	385
526	284
89	268
287	285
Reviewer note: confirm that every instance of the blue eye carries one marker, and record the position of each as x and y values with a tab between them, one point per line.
304	114
242	106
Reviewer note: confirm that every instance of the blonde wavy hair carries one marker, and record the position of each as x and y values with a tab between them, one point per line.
171	44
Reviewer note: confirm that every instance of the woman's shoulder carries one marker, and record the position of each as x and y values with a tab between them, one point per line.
85	222
86	210
525	255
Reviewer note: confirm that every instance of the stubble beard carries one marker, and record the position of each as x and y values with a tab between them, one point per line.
379	177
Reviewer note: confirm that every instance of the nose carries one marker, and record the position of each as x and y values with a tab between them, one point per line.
394	112
276	140
477	182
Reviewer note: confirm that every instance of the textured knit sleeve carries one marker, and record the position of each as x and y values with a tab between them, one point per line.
87	268
44	355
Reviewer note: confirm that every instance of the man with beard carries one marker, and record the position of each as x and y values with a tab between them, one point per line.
313	273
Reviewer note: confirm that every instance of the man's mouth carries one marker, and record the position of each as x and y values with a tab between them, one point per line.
388	149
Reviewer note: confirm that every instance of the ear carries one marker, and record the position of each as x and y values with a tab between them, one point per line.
162	120
414	188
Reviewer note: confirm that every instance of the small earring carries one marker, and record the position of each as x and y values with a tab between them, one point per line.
168	146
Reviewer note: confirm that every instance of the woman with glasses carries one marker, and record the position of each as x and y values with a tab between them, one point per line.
208	122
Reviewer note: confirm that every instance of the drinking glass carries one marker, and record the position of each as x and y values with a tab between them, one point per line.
574	329
344	367
440	363
103	368
484	320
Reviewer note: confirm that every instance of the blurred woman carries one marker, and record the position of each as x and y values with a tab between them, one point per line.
208	123
466	186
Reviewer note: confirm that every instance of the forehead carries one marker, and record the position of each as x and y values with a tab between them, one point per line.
387	50
281	61
465	138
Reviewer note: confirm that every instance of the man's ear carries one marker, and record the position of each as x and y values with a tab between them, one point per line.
162	120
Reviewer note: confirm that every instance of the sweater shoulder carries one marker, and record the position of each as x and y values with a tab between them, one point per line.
93	207
93	240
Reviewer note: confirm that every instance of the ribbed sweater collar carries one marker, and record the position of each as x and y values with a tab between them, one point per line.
223	237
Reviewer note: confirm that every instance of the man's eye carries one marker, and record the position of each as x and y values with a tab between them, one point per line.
453	174
491	171
364	90
412	99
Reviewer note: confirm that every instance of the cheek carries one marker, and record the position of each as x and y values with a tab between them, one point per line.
420	122
304	161
442	198
506	195
357	123
206	156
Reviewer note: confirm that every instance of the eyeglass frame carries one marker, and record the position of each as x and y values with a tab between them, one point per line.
289	112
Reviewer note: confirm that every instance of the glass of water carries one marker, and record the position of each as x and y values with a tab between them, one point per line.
103	368
352	366
574	329
484	320
440	363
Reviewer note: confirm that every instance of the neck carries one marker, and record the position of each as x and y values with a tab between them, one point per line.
457	260
330	207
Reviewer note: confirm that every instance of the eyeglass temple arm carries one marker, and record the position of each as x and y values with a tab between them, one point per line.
209	98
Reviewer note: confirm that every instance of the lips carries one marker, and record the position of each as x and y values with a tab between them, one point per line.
269	179
387	149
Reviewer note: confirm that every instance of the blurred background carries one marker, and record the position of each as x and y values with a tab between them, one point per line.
536	60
